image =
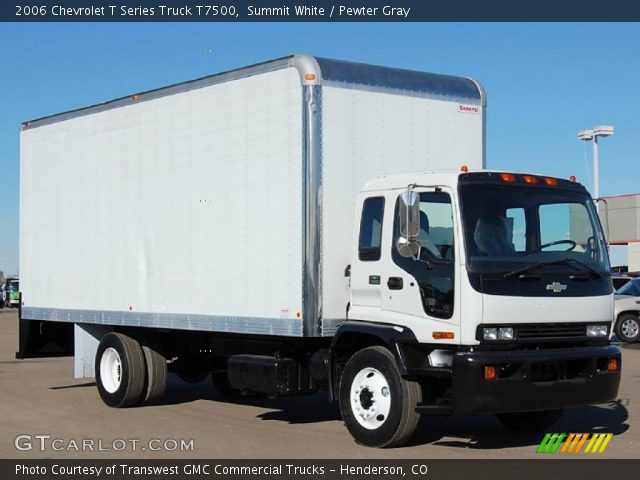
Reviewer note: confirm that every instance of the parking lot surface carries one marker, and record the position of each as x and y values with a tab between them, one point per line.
46	413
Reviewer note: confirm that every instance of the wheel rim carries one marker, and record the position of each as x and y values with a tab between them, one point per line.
370	398
629	328
110	370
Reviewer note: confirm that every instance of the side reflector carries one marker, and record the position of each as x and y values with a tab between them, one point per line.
443	335
551	181
508	177
613	365
490	372
530	179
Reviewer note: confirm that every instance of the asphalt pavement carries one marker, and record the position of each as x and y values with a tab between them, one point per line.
46	413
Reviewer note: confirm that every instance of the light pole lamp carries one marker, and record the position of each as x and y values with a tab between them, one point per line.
593	134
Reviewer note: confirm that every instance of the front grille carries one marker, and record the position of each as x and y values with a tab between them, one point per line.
551	330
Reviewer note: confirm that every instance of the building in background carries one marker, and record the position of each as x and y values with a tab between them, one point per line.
620	216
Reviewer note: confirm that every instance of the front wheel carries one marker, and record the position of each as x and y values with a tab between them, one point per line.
529	421
378	406
627	328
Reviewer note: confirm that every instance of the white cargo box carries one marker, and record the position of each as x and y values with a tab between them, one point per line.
226	203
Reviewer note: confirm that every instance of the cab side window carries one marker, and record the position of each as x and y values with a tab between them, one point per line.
370	237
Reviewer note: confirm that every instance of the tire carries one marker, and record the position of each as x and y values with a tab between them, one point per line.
628	327
120	370
371	377
529	421
156	375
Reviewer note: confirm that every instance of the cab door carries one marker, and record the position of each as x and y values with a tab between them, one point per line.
425	287
368	258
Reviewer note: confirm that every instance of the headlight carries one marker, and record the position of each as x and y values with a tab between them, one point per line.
505	333
596	330
490	333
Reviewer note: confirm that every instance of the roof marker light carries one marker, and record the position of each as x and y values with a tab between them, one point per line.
134	97
464	168
573	178
508	177
551	181
530	179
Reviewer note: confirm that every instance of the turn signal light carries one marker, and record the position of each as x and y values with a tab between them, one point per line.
613	365
508	177
443	335
490	372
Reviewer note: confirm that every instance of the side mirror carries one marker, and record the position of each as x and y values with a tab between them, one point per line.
409	221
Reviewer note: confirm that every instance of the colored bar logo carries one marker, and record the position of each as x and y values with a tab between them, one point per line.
574	442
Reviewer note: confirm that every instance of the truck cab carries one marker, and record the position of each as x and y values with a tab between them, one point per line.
492	292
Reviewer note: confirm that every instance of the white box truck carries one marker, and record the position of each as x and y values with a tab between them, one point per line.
254	226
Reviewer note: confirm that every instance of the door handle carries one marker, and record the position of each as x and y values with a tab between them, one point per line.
395	283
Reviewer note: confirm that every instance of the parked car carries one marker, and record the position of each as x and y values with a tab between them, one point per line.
627	311
619	281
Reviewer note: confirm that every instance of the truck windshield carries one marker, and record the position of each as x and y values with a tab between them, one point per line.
509	228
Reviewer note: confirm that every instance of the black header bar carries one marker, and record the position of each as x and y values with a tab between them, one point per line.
319	11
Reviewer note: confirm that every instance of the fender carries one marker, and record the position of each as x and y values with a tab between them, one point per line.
353	335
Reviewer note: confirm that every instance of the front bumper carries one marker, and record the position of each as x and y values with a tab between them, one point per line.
530	380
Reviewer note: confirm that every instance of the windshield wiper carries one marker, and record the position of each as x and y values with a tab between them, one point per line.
564	261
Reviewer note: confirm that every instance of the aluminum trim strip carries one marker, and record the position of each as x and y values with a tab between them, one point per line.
399	81
330	326
206	323
406	93
166	91
312	208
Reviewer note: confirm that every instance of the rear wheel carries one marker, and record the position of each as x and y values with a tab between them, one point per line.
627	327
529	421
120	370
378	406
156	366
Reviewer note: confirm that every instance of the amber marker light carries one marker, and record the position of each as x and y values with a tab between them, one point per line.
551	181
613	365
443	335
464	168
530	179
573	178
490	372
310	76
134	97
508	177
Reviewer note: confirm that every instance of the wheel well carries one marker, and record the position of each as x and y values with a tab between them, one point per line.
343	349
632	312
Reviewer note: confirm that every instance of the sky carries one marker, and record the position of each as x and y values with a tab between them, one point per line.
544	82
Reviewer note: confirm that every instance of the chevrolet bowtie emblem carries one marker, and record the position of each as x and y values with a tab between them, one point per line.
556	287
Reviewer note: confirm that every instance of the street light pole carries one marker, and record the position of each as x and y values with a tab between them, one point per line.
592	135
596	170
